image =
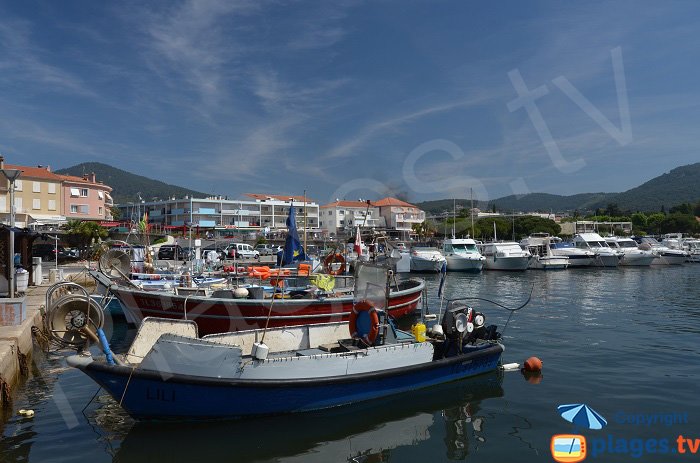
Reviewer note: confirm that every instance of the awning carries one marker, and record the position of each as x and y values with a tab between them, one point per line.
74	192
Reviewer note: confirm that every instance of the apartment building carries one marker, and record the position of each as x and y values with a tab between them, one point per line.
342	217
259	212
43	197
399	215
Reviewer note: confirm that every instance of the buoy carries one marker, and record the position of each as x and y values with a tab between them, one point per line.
510	366
26	413
240	293
533	364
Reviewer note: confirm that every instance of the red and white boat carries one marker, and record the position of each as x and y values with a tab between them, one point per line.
221	312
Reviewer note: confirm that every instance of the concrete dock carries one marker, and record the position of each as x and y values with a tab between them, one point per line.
16	342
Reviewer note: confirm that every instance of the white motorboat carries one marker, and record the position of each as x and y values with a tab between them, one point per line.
462	255
577	257
426	259
666	255
505	256
631	254
689	245
538	244
605	255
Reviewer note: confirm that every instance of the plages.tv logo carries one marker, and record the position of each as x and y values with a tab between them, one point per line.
571	448
568	448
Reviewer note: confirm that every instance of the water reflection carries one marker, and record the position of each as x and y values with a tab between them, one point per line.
365	432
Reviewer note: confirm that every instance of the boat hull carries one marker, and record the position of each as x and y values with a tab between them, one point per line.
549	263
463	264
152	395
607	260
507	263
637	260
221	315
669	259
419	264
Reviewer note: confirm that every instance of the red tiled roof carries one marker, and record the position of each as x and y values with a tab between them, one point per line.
278	197
348	204
392	202
36	172
45	174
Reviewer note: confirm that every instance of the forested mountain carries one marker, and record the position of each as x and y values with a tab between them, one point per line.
126	185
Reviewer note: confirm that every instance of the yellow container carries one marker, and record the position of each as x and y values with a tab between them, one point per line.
418	331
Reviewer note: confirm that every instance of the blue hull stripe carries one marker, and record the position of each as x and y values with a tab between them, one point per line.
150	395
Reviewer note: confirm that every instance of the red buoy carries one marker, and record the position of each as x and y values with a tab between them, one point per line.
533	364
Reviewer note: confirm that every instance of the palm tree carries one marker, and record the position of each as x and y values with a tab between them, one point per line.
84	234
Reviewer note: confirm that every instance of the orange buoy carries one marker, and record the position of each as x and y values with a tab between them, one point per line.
533	364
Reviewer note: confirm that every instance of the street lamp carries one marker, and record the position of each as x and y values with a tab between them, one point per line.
12	175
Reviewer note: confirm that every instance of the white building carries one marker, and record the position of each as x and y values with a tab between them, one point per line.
259	213
342	217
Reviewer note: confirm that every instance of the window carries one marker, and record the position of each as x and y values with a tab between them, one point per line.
321	223
99	210
52	204
342	222
18	204
73	208
18	185
36	187
330	212
36	204
83	209
52	188
74	192
3	204
100	195
83	192
341	212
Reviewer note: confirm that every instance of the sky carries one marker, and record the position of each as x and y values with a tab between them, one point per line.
350	99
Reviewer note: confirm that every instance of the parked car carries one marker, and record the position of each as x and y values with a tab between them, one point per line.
267	249
48	252
171	252
241	250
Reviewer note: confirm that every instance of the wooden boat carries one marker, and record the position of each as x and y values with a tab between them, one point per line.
220	312
171	373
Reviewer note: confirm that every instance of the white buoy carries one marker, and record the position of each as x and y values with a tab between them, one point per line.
240	293
510	366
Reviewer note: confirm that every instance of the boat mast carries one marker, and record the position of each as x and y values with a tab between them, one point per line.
304	221
471	212
454	216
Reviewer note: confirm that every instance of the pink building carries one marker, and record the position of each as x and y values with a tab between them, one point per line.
86	199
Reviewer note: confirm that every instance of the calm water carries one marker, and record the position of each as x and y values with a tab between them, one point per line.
624	341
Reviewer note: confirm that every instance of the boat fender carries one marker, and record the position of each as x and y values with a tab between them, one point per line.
332	259
364	306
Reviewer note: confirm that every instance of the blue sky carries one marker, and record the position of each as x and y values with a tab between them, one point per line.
355	99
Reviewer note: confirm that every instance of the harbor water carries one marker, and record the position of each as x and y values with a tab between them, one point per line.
624	341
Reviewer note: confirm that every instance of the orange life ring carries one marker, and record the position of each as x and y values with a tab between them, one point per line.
332	259
364	306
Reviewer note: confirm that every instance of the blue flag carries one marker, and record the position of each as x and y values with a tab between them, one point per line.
293	250
443	273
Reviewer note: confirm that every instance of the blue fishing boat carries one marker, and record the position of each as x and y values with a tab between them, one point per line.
170	372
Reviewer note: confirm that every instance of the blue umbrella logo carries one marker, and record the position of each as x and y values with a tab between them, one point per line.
582	416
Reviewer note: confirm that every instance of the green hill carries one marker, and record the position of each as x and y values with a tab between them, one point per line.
681	185
127	186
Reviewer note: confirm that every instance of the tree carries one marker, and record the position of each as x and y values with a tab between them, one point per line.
83	234
679	223
116	212
639	221
613	210
697	209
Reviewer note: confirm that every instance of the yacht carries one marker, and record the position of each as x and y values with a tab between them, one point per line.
631	254
577	257
689	245
666	255
505	256
605	256
426	259
462	255
538	244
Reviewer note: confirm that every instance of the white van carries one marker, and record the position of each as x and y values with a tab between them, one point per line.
241	250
